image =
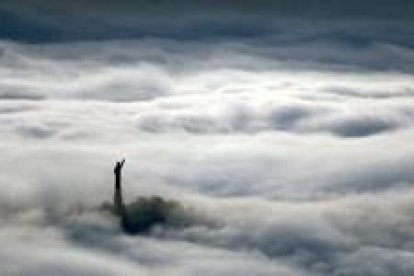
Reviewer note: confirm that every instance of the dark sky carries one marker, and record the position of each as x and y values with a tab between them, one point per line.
47	20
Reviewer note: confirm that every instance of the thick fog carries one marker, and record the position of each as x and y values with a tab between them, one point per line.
289	152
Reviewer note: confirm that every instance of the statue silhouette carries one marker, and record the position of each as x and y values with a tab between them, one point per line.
118	201
140	215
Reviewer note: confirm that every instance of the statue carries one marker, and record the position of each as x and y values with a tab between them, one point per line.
142	214
118	201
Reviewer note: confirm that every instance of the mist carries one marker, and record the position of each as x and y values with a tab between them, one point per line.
278	135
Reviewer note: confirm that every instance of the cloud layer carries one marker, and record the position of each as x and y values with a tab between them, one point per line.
291	156
42	20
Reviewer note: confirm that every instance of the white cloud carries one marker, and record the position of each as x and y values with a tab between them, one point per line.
291	160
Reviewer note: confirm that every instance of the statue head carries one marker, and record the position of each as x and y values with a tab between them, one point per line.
119	165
